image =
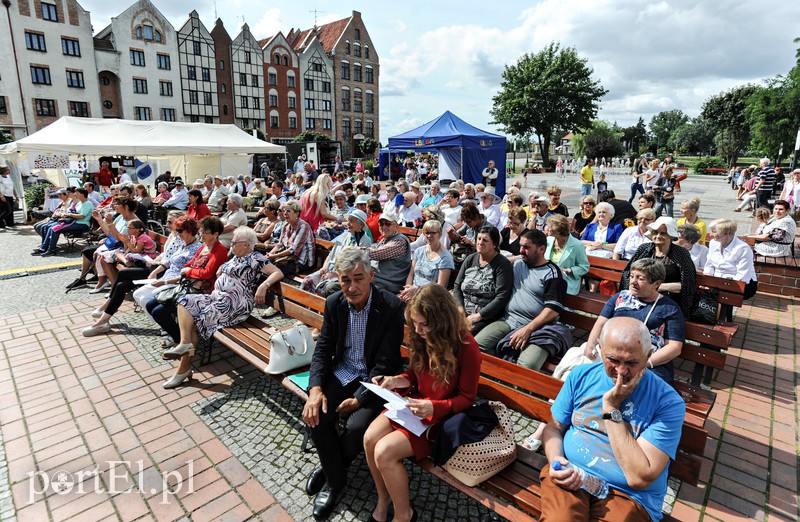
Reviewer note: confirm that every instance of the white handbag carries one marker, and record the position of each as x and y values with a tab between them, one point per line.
290	349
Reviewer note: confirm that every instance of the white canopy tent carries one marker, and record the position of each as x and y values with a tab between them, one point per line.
192	149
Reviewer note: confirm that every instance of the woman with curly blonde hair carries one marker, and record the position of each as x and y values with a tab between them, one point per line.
442	378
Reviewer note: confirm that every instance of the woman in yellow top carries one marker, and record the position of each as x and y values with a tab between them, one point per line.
689	210
587	178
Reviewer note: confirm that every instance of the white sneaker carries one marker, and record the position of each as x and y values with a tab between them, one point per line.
91	331
97	314
269	312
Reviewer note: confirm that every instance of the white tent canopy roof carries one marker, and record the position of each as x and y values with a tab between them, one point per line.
112	137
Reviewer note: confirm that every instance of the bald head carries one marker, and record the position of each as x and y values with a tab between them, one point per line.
627	333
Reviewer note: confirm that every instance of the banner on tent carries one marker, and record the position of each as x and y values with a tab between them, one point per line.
49	161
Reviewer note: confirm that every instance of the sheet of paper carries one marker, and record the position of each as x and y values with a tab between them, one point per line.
394	400
143	281
408	420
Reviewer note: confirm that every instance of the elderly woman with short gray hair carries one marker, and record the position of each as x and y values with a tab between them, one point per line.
230	303
232	219
600	237
689	238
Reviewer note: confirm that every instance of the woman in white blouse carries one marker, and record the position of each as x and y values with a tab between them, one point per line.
730	258
632	237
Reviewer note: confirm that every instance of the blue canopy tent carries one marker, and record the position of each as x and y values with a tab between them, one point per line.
463	146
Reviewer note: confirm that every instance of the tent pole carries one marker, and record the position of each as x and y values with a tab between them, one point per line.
462	163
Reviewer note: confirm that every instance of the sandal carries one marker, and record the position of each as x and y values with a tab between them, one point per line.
167	344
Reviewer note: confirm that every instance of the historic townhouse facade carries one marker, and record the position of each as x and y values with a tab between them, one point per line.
138	67
247	70
198	71
316	86
222	53
282	89
48	69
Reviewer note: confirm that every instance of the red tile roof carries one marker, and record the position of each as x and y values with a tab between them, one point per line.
328	34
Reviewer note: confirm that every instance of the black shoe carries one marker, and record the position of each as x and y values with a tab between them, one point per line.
37	252
49	253
92	278
315	482
76	284
325	502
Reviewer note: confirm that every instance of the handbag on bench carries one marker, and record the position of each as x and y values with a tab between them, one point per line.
290	349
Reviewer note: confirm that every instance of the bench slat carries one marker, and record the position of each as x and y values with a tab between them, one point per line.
527	404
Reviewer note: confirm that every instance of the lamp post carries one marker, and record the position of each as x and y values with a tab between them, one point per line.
796	150
7	4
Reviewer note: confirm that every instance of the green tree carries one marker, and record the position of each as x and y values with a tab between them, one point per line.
663	124
601	140
695	136
368	146
310	135
260	135
725	115
635	136
773	113
545	91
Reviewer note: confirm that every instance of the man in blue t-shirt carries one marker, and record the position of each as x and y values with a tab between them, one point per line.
660	313
616	421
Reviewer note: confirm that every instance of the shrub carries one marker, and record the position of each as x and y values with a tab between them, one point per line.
34	194
706	162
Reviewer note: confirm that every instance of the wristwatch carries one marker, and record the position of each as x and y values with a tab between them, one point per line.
613	415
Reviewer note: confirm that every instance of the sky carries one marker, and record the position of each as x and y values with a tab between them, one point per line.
650	55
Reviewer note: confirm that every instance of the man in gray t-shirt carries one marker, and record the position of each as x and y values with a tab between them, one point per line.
539	290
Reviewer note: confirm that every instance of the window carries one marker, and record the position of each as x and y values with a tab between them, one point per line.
326	105
316	67
142	113
40	75
75	79
137	57
276	59
326	124
370	103
194	118
273	100
148	32
254	80
285	60
139	32
244	102
289	81
272	79
245	123
167	114
78	109
292	102
345	99
309	84
247	57
358	101
347	47
357	51
309	104
225	110
273	122
346	128
158	37
256	102
208	119
191	72
345	70
165	88
326	86
242	79
193	99
357	73
358	34
222	65
3	106
366	51
205	74
310	123
292	122
196	47
45	107
163	61
49	12
370	128
35	42
223	88
140	85
369	78
357	127
70	47
207	98
107	104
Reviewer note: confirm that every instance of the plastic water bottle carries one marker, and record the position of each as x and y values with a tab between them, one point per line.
591	483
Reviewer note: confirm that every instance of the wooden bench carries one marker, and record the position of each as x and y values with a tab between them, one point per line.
514	493
713	339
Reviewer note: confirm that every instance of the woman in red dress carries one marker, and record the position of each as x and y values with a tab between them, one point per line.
444	365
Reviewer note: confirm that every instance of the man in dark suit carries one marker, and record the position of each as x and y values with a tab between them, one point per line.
361	334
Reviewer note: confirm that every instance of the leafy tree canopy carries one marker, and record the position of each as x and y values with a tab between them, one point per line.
773	113
725	115
601	140
663	124
693	137
368	146
545	91
310	135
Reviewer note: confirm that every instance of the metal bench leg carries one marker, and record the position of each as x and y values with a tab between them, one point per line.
697	374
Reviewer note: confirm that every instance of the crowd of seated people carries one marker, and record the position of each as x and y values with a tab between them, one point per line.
479	265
